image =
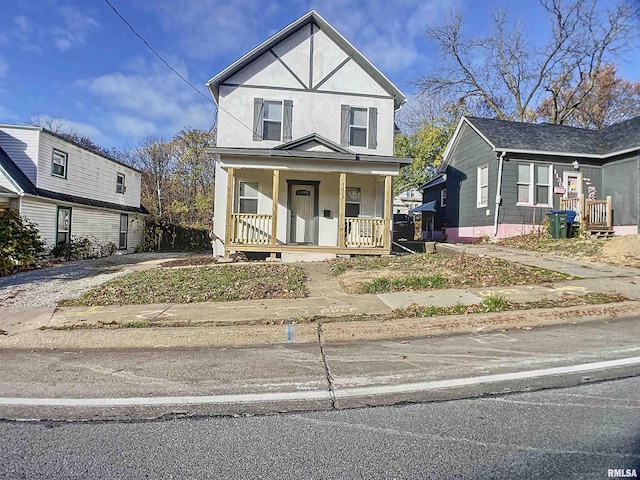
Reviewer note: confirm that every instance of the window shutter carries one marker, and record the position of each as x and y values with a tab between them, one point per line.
287	121
373	127
258	115
344	125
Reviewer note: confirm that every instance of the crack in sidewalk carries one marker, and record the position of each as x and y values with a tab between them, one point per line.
332	394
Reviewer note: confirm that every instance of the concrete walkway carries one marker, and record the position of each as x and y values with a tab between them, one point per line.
271	321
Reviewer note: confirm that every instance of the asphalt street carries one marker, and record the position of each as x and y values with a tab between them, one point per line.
571	433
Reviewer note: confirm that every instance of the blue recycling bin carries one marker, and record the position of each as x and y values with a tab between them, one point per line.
571	218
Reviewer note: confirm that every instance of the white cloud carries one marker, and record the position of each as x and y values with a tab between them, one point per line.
74	30
209	29
65	126
148	100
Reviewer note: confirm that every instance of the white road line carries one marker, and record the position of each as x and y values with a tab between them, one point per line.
319	394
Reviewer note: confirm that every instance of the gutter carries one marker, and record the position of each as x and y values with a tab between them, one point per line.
498	193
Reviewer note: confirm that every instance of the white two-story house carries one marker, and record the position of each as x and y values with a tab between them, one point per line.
68	191
304	155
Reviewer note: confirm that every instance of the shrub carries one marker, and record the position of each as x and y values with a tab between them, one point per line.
20	242
81	248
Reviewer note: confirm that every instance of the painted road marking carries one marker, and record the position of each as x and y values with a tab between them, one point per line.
320	394
491	338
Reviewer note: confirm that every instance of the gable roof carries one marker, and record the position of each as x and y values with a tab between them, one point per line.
27	187
311	139
549	139
435	181
558	139
17	175
312	17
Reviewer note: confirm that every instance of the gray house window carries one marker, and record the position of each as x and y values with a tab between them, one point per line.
59	164
483	186
534	184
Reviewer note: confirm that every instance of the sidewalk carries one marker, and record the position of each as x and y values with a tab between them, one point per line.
291	321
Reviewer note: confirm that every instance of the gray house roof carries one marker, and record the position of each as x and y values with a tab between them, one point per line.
312	17
559	139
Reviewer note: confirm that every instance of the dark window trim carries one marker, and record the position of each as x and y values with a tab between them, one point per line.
66	162
57	219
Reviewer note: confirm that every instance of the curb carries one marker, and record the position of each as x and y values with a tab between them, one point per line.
305	333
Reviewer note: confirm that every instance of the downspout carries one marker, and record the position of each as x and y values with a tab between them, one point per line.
498	193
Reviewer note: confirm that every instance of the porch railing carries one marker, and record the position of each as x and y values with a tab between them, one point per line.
365	232
593	214
251	228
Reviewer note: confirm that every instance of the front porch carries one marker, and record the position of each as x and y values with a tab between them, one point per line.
592	215
278	211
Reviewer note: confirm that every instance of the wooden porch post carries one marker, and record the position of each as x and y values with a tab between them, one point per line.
274	207
582	206
387	212
228	224
342	208
609	216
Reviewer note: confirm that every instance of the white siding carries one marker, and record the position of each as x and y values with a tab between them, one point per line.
314	111
21	144
102	225
6	183
88	175
43	214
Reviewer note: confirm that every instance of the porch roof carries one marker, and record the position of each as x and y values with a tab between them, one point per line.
305	155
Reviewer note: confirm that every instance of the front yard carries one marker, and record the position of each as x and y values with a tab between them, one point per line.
435	271
198	284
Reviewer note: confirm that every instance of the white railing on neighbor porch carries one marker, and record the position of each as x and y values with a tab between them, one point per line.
365	232
250	228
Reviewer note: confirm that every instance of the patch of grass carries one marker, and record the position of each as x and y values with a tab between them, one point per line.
434	271
494	303
136	324
568	247
198	284
411	282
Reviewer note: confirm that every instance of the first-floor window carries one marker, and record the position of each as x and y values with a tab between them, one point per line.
63	227
124	229
534	184
248	197
352	204
443	197
482	199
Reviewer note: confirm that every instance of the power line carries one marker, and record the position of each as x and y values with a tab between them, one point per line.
206	97
157	54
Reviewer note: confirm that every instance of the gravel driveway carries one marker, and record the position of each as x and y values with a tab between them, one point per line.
47	286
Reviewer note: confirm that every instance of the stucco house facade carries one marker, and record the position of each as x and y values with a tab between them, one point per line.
68	191
499	178
304	156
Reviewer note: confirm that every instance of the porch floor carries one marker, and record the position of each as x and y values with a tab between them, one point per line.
309	249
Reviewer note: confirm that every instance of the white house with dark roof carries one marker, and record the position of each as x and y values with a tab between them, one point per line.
304	155
68	191
500	178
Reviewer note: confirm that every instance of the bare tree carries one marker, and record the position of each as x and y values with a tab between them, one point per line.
156	159
610	100
505	75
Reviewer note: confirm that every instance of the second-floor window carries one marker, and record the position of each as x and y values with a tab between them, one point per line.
59	164
359	127
120	186
272	120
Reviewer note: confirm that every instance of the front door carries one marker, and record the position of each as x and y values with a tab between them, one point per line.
124	230
303	217
572	184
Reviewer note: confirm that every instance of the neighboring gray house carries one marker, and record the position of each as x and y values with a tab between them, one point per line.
499	178
304	155
67	190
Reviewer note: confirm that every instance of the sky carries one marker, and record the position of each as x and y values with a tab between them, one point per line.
77	61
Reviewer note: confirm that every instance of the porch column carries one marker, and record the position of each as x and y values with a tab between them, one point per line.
274	207
342	208
609	217
387	212
228	223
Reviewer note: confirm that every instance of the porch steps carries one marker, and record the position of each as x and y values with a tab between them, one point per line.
600	233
